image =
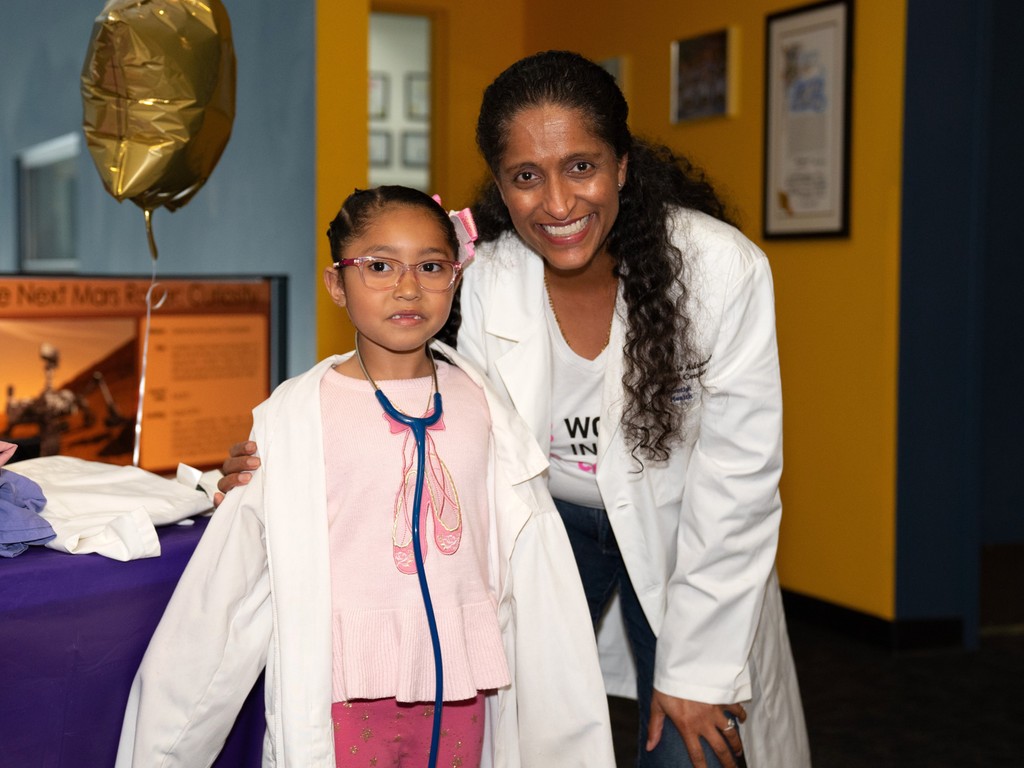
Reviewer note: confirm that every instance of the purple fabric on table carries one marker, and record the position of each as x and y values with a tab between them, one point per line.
73	629
21	501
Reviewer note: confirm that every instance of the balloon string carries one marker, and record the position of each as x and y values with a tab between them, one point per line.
149	236
150	306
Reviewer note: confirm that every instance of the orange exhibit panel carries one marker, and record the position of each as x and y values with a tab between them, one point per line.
77	354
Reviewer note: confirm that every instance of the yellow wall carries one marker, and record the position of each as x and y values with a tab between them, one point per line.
472	42
837	299
342	146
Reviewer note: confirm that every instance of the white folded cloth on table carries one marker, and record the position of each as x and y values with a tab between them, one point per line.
108	509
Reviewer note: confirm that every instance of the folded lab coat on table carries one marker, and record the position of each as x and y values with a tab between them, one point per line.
107	509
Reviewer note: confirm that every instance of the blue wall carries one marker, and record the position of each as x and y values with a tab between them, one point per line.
256	214
960	453
1003	284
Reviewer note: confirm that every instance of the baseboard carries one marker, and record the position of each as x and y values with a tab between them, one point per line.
904	635
1002	573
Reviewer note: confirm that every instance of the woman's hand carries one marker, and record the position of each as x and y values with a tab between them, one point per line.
237	468
695	720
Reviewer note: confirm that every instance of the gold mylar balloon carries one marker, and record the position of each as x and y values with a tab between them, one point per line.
158	96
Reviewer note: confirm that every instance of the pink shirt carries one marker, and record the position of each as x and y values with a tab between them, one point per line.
381	639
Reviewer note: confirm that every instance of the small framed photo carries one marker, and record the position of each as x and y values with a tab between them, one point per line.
380	149
380	95
415	149
701	77
46	177
807	121
619	68
417	96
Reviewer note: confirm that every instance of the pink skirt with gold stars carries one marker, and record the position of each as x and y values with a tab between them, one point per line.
381	733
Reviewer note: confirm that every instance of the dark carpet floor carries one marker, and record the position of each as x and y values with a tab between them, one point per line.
868	707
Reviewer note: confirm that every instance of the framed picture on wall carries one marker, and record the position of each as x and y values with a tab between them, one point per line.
380	149
380	95
618	67
417	96
46	177
701	72
415	149
808	62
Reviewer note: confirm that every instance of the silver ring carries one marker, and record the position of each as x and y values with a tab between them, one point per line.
730	726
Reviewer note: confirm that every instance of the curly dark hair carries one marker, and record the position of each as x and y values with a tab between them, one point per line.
651	269
358	212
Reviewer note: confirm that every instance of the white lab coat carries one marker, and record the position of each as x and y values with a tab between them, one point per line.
698	532
257	592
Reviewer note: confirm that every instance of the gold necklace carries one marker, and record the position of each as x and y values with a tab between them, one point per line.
369	378
561	330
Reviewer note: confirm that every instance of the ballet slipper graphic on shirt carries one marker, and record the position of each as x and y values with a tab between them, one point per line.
440	501
444	502
401	528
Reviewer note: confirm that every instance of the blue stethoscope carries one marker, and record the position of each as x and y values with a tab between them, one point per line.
419	426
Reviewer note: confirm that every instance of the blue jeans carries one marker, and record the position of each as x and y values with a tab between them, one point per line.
603	571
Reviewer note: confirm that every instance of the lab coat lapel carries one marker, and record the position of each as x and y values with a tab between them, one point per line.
517	450
518	316
617	486
611	390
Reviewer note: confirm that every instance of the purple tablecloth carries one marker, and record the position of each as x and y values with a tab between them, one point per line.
73	629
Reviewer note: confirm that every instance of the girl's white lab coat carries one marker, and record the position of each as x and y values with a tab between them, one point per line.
698	532
257	592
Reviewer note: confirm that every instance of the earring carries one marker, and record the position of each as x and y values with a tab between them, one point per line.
620	186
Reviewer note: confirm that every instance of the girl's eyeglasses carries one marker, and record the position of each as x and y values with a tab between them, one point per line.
381	274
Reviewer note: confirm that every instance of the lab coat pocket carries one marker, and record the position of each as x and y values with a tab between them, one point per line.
666	480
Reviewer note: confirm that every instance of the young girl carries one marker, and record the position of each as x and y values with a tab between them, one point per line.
310	569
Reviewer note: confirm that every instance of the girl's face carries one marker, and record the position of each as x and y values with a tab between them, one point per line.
396	323
561	187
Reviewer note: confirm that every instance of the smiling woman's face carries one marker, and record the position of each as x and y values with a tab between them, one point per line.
561	185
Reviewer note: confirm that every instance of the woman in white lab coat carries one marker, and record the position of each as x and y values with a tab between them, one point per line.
634	330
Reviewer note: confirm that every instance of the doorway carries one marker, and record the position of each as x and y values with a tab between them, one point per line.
400	88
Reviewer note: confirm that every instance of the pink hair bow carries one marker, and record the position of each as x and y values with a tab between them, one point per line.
465	231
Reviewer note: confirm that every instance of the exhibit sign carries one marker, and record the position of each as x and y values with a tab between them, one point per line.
71	352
